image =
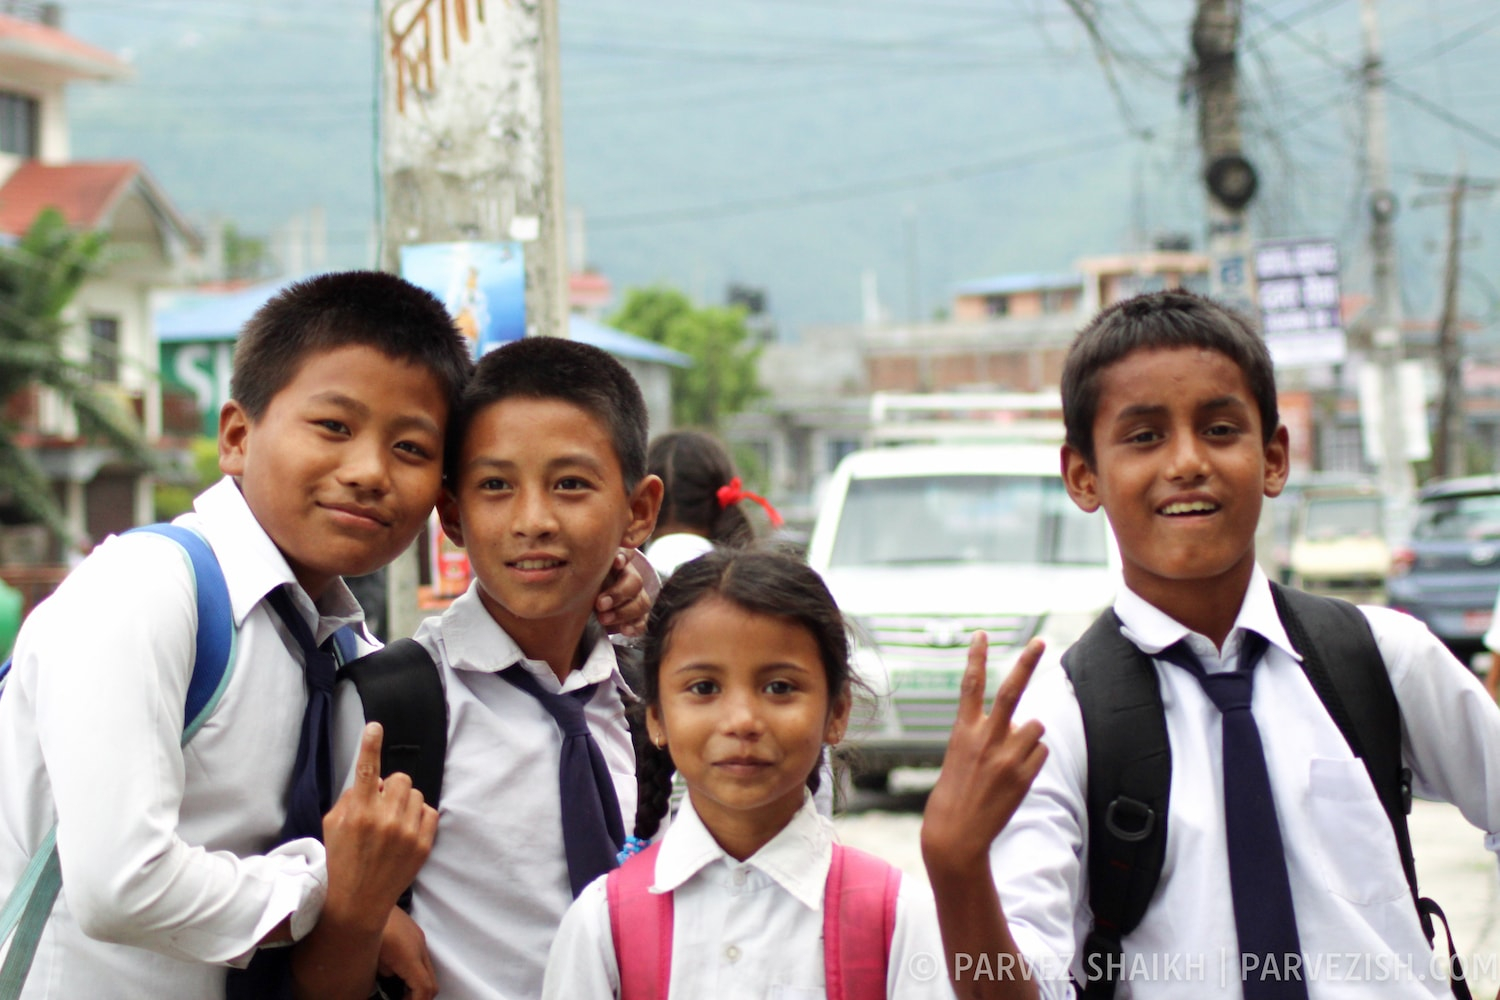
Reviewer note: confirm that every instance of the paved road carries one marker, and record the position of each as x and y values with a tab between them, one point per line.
1452	865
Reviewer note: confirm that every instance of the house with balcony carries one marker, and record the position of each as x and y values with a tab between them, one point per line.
150	247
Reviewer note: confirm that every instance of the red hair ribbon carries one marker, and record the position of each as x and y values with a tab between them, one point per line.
735	492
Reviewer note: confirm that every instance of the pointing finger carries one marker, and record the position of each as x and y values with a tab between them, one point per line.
367	767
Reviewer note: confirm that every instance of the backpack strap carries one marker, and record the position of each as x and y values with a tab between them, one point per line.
640	926
400	688
859	923
1129	784
30	903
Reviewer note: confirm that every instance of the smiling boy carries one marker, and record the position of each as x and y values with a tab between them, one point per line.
183	854
1276	861
545	482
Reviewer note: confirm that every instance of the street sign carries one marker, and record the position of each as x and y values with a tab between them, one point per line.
1297	287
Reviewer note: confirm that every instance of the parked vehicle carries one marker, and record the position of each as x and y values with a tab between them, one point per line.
924	544
1449	572
1338	545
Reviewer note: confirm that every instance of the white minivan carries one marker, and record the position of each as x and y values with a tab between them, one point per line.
922	545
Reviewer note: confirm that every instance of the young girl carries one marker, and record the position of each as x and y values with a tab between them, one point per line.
701	495
747	895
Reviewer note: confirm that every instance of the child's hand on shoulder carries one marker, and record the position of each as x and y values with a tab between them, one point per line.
625	600
989	766
378	835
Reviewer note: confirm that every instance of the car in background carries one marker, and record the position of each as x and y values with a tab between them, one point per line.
1338	546
1448	573
923	544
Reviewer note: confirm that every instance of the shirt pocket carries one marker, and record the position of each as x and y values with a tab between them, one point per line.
1360	862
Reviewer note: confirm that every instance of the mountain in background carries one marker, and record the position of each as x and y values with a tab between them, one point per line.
796	144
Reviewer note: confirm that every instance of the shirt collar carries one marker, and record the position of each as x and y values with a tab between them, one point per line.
796	859
473	640
1153	630
254	566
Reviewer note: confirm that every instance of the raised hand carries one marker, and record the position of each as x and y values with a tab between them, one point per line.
378	835
989	766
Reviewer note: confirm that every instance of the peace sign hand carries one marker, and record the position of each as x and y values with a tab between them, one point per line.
990	763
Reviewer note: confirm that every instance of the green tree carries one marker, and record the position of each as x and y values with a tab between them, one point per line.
723	378
39	276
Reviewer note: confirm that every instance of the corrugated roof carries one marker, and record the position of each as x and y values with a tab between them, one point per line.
219	316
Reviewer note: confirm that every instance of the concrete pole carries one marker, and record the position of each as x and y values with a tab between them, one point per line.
1448	455
1215	35
1395	470
471	150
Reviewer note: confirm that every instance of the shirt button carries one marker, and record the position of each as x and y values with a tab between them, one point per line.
732	953
739	876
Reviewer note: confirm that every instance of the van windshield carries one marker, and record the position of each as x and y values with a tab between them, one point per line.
907	520
1459	518
1342	517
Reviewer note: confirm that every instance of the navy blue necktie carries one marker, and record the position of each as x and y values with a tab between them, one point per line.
269	975
1264	918
592	829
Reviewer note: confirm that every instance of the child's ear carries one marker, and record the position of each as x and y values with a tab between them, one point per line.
1278	461
654	727
447	508
645	503
838	718
234	430
1081	481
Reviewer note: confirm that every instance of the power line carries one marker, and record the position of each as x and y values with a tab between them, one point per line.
851	192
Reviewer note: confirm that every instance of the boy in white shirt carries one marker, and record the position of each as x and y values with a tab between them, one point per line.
546	480
1170	406
173	857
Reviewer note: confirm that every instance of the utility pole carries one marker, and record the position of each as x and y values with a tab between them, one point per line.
1230	178
471	150
1395	468
1448	457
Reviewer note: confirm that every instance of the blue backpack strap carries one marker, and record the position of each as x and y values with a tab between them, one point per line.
30	903
213	661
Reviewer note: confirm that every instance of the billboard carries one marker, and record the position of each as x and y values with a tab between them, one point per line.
482	284
1297	289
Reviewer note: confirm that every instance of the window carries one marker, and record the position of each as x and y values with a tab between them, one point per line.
19	123
965	519
104	348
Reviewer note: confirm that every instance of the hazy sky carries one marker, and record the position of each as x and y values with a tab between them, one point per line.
794	144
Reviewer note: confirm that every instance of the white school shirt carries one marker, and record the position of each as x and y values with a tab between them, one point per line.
670	551
745	930
1355	919
495	887
163	847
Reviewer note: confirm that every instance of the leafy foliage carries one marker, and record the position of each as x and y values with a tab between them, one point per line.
723	379
39	276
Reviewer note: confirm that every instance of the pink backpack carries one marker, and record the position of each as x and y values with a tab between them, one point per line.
859	920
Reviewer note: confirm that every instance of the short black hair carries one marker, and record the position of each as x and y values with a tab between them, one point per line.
343	309
561	369
1159	320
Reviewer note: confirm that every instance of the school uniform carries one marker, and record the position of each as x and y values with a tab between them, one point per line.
495	886
165	850
670	551
745	930
1358	928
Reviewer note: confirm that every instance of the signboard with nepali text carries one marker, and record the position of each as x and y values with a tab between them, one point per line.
1297	289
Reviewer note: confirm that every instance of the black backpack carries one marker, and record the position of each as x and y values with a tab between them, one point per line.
1130	761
